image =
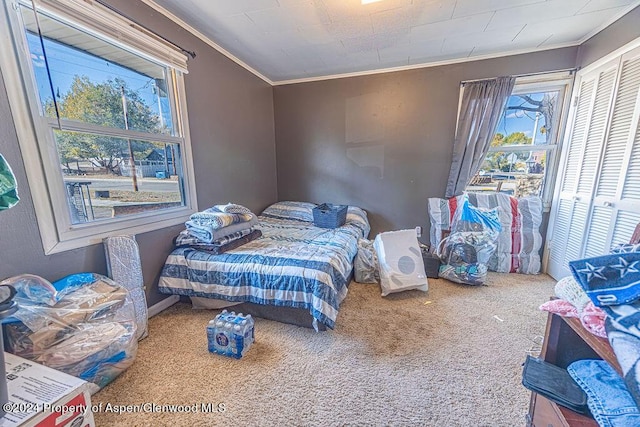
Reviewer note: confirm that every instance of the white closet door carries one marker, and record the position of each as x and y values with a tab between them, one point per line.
594	239
599	191
618	189
592	104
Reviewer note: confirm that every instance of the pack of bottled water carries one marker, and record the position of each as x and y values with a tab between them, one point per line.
230	334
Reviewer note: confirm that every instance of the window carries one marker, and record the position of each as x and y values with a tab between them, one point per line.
522	158
107	148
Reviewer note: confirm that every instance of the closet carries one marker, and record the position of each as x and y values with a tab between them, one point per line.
597	196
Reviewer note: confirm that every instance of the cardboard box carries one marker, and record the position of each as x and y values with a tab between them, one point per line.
43	397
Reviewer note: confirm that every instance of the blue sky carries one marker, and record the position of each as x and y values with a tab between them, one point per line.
518	121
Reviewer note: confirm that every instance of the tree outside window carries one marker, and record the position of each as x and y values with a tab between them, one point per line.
517	160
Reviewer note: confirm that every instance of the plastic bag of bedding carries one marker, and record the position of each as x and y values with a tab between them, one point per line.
89	333
39	290
466	251
366	263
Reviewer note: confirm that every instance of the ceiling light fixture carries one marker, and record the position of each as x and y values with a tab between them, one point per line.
369	1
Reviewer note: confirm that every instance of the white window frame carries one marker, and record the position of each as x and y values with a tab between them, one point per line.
562	82
35	134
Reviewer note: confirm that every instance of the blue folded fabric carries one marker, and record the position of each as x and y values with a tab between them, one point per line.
216	219
609	279
607	396
623	332
625	248
207	234
233	208
186	239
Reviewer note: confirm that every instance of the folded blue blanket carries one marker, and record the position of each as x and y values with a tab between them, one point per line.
186	239
216	219
207	234
625	248
609	279
233	208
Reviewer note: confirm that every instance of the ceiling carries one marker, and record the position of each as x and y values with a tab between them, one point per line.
291	40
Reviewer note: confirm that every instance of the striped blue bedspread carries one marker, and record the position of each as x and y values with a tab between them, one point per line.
293	264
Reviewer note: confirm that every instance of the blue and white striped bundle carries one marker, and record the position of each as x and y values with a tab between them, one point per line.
219	221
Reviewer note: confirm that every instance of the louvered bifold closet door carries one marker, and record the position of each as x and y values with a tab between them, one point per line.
598	195
590	111
617	195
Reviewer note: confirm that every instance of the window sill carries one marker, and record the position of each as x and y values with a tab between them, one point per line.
67	241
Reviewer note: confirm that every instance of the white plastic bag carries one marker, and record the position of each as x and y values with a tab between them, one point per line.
400	260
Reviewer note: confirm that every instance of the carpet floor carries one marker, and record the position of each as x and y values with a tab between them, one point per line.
449	357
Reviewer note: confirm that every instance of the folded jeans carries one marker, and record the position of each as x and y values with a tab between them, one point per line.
608	399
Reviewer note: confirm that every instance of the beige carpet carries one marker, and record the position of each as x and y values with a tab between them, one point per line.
450	357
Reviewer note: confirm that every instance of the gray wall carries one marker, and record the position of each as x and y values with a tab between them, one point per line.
382	142
618	34
232	134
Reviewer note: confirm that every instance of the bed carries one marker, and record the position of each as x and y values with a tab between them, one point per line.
295	268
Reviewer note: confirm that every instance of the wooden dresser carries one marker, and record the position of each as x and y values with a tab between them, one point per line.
565	341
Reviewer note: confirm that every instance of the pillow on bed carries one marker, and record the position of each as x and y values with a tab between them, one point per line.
298	211
358	217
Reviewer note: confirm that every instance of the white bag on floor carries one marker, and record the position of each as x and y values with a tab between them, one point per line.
400	259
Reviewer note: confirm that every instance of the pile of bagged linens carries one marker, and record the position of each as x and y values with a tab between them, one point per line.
219	229
83	325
